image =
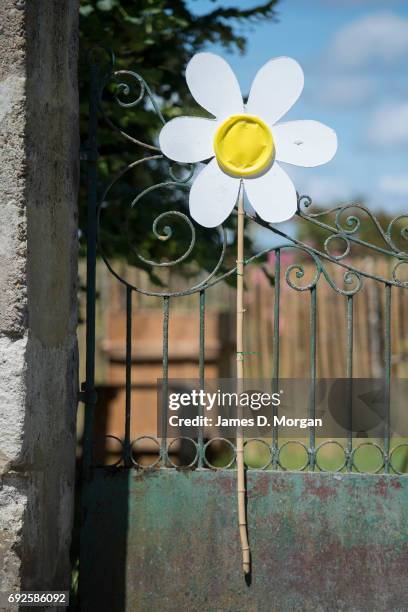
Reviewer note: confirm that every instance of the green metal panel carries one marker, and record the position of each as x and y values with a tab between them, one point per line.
167	540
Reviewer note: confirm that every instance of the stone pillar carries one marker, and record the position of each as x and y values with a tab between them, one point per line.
38	310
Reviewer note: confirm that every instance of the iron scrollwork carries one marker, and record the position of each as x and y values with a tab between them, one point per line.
343	228
341	225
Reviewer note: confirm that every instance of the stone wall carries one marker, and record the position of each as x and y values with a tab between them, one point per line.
38	269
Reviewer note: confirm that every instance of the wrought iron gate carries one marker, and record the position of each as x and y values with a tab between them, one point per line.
324	539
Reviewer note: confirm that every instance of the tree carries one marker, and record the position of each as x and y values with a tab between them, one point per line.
154	38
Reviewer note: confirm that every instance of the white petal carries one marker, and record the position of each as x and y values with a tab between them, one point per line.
272	195
213	85
275	89
188	139
213	195
304	143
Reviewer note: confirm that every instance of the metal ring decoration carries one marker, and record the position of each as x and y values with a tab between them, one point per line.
298	443
223	467
326	443
259	440
373	444
189	465
121	455
395	268
182	180
402	444
151	465
337	237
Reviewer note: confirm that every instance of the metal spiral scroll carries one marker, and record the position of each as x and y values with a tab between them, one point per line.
350	277
343	229
347	229
162	231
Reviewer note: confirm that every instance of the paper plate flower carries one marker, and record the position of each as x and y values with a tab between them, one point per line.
245	141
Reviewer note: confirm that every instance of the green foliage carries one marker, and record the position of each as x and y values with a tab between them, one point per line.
154	38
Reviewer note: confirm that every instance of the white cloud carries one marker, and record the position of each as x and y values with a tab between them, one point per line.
388	126
379	37
346	91
394	184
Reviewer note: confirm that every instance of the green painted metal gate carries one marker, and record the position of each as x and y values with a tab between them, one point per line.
159	537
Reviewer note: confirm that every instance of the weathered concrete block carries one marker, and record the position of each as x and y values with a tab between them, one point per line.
39	147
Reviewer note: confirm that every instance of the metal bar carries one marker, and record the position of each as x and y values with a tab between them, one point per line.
387	363
349	375
89	386
312	399
165	376
128	401
201	367
275	355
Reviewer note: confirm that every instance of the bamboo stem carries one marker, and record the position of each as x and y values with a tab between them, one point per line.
241	489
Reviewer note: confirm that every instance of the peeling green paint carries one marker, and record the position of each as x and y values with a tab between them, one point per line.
168	540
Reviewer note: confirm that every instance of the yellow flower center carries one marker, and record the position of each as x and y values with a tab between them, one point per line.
243	145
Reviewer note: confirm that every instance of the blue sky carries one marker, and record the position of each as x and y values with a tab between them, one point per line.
355	57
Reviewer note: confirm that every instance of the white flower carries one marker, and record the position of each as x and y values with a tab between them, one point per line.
245	140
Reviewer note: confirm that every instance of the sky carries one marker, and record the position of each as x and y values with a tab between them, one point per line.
354	54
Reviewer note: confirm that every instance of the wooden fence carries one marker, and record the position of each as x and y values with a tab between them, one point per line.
220	336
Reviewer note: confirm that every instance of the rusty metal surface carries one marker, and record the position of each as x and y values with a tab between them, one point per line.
168	540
